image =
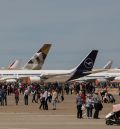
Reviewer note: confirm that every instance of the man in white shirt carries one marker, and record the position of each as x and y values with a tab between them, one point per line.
45	95
54	99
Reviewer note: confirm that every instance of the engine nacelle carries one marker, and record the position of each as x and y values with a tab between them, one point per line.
11	80
35	79
101	80
31	79
117	78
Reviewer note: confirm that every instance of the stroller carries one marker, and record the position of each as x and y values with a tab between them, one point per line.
113	117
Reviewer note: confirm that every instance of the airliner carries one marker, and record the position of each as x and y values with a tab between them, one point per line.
110	74
98	75
81	70
37	60
35	63
14	65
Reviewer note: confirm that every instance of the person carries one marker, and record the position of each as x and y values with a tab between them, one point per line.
4	93
103	93
119	90
97	106
26	93
83	96
79	103
45	95
16	96
38	96
106	98
49	96
1	97
42	100
89	106
54	99
34	92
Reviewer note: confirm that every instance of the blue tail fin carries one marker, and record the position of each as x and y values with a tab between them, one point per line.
85	66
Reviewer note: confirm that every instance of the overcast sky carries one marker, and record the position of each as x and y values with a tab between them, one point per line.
74	27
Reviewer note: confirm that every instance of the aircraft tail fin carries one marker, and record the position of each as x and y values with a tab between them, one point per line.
37	60
108	65
14	65
85	66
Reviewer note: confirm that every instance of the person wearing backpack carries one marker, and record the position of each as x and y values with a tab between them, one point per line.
97	105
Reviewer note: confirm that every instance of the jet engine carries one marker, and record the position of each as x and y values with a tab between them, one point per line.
117	78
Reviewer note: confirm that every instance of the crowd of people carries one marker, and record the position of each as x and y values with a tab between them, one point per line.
41	93
89	102
87	99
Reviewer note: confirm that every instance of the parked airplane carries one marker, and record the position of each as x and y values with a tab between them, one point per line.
111	74
37	60
94	76
35	63
108	65
13	65
81	70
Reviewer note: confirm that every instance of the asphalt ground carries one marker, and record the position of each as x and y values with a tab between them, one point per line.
31	117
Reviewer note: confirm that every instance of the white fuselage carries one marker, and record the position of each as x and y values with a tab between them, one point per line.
16	74
105	75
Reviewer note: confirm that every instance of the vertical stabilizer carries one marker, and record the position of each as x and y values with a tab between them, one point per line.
85	66
108	65
37	60
14	65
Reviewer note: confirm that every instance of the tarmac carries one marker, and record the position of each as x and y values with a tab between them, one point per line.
31	117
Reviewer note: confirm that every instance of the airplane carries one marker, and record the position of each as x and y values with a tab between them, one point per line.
108	65
13	65
110	74
37	60
81	70
94	76
34	63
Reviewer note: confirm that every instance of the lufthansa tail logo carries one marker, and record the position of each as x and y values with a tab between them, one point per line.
88	63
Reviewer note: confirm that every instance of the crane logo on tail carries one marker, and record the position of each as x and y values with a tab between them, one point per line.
88	63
